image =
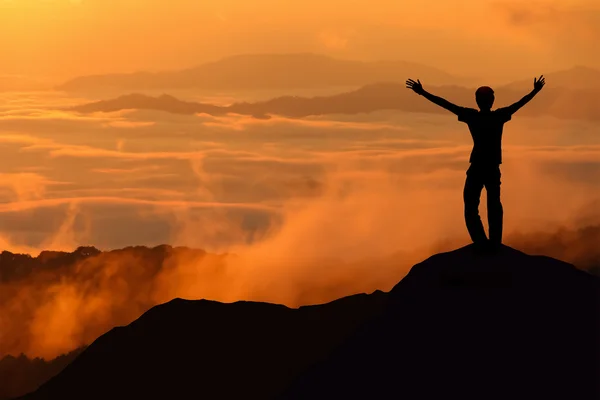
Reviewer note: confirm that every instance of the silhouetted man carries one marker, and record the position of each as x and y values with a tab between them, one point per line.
486	129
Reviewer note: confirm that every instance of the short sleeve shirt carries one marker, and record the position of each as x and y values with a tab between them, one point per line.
486	130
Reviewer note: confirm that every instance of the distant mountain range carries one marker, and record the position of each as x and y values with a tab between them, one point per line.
560	102
264	72
578	78
250	72
21	375
460	325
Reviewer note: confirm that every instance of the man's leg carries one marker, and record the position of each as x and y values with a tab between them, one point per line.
494	205
471	195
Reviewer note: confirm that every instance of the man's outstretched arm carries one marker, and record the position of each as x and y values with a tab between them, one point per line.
538	84
418	89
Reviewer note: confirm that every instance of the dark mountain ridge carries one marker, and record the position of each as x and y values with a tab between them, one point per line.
558	102
20	375
459	325
15	266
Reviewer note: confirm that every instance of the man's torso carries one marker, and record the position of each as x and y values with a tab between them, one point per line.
486	130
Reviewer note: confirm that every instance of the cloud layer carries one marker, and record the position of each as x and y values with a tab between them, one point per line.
307	209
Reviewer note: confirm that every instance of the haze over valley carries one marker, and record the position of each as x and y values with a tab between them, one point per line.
149	152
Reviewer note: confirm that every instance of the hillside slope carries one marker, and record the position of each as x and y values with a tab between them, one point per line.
459	325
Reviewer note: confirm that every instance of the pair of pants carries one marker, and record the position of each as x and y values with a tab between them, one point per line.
478	177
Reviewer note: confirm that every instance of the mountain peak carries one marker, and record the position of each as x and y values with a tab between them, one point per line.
280	56
507	269
460	324
577	77
263	71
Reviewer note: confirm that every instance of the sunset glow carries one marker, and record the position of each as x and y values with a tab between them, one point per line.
62	38
307	208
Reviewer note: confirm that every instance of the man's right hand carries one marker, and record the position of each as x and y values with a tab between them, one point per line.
415	86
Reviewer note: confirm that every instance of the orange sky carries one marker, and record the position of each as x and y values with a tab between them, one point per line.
346	192
62	38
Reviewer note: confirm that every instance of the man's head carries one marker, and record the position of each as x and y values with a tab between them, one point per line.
485	98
